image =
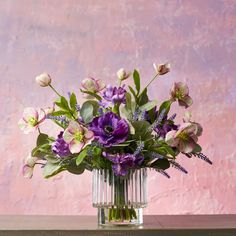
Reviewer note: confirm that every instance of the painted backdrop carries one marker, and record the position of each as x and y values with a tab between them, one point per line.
74	39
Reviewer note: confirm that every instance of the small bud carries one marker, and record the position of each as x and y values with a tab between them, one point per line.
162	69
43	80
122	75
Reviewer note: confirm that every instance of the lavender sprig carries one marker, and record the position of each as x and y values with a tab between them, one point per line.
61	119
203	157
158	120
135	115
163	173
139	149
77	107
178	166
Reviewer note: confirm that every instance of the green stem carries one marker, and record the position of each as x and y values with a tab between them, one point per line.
149	83
116	109
54	90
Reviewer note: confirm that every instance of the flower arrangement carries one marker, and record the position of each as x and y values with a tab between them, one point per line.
117	128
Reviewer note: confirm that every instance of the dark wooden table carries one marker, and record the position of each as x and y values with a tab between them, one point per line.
190	225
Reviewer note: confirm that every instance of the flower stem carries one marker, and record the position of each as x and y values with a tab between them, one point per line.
54	90
149	83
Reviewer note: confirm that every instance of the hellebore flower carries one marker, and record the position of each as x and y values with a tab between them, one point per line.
43	80
28	168
122	74
77	136
180	92
162	69
31	119
123	162
185	139
92	85
109	129
114	94
60	146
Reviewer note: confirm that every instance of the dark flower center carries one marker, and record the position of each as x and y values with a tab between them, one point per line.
108	129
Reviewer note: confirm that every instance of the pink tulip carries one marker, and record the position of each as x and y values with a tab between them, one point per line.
77	136
180	92
122	74
185	139
31	119
43	80
162	69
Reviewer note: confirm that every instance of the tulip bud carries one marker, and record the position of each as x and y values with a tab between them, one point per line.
43	80
122	75
162	69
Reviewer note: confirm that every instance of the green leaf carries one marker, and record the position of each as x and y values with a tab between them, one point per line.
42	139
92	94
161	164
74	169
51	169
143	98
128	100
73	101
136	80
148	106
133	92
165	105
86	112
81	156
62	103
60	113
197	149
142	130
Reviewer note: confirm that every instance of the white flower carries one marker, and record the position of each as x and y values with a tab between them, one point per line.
122	74
43	80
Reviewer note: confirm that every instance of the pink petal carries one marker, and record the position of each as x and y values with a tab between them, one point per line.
30	112
27	171
88	134
68	136
182	87
186	146
75	146
41	115
171	138
25	127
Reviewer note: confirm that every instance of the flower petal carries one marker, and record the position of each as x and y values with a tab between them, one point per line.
30	112
75	146
186	146
171	138
88	134
27	171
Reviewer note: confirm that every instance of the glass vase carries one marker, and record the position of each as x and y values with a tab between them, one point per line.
120	200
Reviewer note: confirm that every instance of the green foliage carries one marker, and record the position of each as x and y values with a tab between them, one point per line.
73	102
73	168
142	130
136	78
88	111
143	98
92	94
148	106
161	164
42	139
197	149
165	105
51	169
81	156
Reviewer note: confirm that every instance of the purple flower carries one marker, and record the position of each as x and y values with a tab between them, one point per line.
60	147
109	129
114	94
165	127
123	162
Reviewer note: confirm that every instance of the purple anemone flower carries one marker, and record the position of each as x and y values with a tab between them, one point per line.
121	163
109	129
114	94
60	147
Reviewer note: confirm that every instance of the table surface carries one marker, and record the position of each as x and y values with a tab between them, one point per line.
216	225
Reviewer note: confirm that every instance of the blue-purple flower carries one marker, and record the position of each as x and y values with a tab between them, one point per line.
122	162
114	94
60	147
109	129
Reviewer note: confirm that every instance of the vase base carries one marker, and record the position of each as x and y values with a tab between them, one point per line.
120	216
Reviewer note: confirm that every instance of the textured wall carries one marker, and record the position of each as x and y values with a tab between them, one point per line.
73	39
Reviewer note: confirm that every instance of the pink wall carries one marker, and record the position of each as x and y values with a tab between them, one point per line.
72	39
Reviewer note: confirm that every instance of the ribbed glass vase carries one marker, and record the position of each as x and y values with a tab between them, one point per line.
120	200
